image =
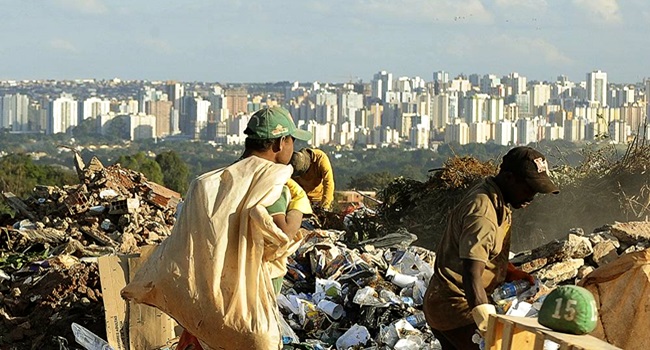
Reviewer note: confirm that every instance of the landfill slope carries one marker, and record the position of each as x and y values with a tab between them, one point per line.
370	263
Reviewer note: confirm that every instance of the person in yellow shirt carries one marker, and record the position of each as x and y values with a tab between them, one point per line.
313	172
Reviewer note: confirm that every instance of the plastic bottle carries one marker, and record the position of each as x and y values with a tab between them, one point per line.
88	339
417	319
509	290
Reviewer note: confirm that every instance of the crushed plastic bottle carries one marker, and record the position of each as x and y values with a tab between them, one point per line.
88	339
417	319
509	290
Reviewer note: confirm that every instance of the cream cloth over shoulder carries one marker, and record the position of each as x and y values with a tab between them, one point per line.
212	274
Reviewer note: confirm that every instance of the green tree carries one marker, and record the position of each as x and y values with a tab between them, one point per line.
141	163
19	174
371	181
175	172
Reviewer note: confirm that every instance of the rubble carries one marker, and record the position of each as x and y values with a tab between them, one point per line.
568	260
49	277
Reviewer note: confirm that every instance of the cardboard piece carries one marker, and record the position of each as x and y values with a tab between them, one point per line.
131	326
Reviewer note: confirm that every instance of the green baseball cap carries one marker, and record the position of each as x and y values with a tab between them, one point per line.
272	123
569	309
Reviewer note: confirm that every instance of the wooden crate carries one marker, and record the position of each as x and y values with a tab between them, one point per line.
521	333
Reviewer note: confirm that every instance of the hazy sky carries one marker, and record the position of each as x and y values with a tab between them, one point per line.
325	40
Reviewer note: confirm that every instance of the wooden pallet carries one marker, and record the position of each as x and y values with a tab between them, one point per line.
521	333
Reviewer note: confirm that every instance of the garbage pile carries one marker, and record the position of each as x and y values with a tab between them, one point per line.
48	271
334	296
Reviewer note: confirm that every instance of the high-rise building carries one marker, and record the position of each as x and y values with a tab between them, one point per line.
574	129
382	82
526	131
597	87
515	84
141	126
619	131
475	108
440	82
175	93
495	109
237	100
540	94
634	115
488	82
457	131
14	112
504	133
479	132
647	99
62	115
92	107
162	111
440	111
553	132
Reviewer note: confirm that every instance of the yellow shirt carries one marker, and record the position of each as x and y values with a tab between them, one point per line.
318	180
478	229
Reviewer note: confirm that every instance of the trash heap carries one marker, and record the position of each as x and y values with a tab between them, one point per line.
48	272
334	296
569	260
338	293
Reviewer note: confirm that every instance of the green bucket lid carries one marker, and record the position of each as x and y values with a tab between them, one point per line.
569	309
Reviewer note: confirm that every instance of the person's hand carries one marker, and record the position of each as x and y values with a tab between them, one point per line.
481	314
299	200
514	274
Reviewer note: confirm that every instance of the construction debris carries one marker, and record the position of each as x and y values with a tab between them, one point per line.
560	261
48	276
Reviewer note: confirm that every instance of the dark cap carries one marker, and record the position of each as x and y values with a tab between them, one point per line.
300	160
532	166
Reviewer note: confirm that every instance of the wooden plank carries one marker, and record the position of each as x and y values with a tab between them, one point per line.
496	335
522	339
575	341
149	328
508	329
113	276
539	340
490	335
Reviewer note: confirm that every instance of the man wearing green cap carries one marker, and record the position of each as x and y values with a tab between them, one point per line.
219	271
472	256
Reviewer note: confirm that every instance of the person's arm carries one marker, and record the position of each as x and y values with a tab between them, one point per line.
472	282
328	181
284	217
475	293
477	240
289	223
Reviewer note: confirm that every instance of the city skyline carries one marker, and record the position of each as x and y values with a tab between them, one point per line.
337	41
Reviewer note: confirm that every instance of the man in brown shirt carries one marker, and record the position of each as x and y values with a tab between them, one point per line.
472	257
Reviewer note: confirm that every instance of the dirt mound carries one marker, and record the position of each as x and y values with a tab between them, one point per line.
44	298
